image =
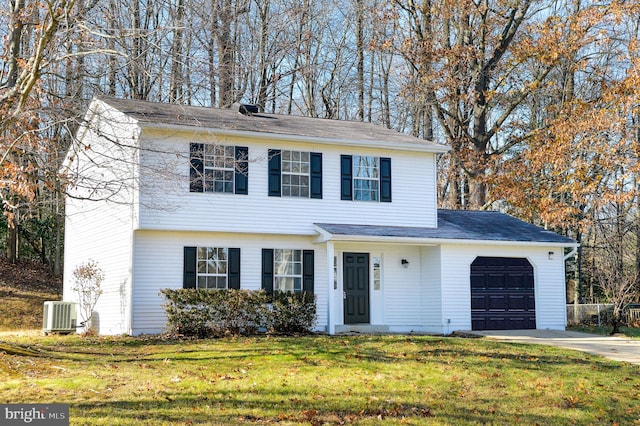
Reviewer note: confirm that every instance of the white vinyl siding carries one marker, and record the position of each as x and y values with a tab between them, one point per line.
431	290
167	203
102	229
158	265
548	282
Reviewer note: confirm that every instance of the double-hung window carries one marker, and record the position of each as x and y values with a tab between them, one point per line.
219	168
211	267
287	270
295	174
365	178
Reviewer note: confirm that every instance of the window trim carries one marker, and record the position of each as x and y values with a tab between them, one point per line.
275	174
347	179
190	266
197	168
268	270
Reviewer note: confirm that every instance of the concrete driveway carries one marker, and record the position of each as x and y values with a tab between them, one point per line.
613	347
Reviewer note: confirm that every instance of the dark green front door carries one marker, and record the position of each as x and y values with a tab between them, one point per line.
356	288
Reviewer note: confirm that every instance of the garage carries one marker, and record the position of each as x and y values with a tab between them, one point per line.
502	294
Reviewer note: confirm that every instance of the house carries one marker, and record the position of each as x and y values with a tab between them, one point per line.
170	196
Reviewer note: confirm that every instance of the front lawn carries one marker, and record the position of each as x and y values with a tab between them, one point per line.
317	380
606	330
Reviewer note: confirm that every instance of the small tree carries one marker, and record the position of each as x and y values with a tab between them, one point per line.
87	279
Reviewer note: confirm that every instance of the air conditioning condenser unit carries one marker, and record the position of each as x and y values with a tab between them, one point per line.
59	317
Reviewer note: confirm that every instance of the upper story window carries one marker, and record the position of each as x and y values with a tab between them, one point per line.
295	174
211	267
287	270
219	168
365	178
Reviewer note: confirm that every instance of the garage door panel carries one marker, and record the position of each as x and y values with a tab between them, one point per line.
478	281
502	294
478	303
497	302
495	281
523	281
518	303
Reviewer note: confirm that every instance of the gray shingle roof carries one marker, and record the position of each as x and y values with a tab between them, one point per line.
459	225
231	120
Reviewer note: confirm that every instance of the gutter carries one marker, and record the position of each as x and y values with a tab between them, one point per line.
431	147
571	253
324	236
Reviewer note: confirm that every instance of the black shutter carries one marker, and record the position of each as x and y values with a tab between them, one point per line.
242	170
275	178
267	270
316	175
346	176
385	180
307	271
233	268
189	270
196	171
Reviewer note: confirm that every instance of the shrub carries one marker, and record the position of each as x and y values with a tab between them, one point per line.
292	312
210	313
87	279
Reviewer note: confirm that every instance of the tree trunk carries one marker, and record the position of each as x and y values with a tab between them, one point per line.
12	237
225	55
360	60
177	57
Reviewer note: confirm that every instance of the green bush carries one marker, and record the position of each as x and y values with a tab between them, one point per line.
210	313
292	312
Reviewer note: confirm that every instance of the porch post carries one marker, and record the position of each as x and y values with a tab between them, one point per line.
331	326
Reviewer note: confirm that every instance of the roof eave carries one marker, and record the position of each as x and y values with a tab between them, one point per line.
324	236
399	146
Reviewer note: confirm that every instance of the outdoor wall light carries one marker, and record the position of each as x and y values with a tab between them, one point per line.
551	253
405	263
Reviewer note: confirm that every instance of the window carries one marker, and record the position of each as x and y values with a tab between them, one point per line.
211	267
295	174
377	277
287	270
287	274
365	178
219	168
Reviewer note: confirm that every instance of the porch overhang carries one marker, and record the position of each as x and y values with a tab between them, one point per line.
512	232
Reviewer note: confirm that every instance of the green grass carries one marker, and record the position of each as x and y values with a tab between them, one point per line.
606	330
317	380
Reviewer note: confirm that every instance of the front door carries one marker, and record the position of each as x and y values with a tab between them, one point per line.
356	288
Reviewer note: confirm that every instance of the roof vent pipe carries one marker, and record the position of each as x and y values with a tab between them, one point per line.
246	109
